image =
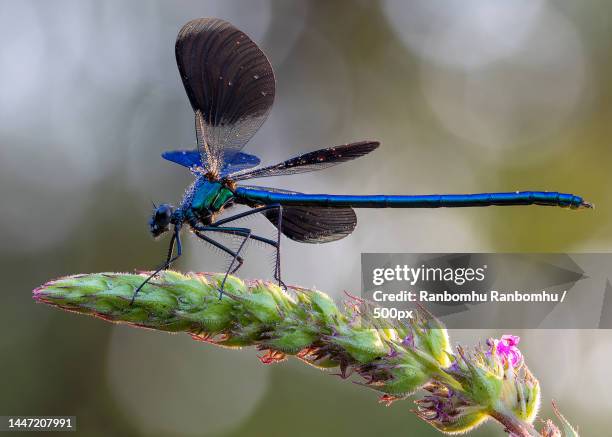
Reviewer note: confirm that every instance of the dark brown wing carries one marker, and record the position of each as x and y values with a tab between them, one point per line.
308	224
229	82
312	161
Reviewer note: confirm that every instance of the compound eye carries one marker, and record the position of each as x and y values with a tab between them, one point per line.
163	212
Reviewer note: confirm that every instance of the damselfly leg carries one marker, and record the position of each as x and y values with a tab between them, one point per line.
220	246
276	244
277	270
176	238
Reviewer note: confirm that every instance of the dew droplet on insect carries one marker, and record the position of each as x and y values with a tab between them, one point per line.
255	76
263	93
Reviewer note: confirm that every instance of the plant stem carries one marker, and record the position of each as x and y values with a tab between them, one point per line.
513	425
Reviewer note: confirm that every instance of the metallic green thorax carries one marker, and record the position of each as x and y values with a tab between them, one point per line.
210	197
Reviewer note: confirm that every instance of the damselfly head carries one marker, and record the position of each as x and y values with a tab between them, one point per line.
160	220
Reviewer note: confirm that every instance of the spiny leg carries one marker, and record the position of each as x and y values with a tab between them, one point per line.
277	272
218	245
234	231
277	267
246	238
243	232
169	260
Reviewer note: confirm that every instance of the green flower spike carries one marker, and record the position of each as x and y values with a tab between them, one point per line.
396	359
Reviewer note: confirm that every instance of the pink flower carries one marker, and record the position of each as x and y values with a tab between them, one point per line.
507	350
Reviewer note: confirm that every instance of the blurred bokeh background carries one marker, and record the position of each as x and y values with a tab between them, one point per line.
479	95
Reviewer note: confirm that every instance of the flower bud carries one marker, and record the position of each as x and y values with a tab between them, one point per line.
449	411
364	345
260	303
324	306
214	317
405	379
292	340
479	379
432	337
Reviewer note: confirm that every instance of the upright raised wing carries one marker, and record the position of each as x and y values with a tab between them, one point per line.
230	84
312	161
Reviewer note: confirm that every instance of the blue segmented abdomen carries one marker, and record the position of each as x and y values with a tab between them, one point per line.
544	198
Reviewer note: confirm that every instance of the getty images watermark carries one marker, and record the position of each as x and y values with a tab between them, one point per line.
492	290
